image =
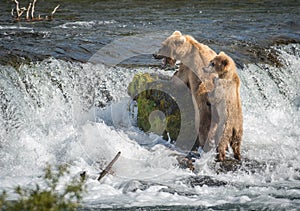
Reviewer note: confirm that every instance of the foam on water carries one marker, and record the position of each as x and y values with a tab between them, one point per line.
50	116
15	27
86	24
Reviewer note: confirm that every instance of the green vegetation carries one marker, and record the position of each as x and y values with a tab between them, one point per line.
48	198
158	110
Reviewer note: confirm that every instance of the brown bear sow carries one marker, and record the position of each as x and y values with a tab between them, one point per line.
226	100
194	56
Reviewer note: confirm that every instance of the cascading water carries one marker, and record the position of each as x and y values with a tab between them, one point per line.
57	107
67	112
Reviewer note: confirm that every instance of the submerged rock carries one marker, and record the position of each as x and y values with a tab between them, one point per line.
203	180
245	165
133	186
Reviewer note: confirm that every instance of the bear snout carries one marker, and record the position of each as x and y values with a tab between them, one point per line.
157	56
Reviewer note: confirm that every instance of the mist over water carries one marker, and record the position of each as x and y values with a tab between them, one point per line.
55	108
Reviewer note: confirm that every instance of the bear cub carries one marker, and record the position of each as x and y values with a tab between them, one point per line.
227	127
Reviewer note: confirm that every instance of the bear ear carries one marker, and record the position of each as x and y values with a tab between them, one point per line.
223	56
180	41
177	33
222	53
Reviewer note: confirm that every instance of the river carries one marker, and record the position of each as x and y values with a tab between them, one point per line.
63	99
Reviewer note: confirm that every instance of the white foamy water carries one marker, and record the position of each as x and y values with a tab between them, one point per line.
48	115
15	27
86	24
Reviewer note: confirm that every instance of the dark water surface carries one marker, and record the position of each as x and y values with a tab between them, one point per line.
80	28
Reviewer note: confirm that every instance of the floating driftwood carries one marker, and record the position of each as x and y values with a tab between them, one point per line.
17	12
108	167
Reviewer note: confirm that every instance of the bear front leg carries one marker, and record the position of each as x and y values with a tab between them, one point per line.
201	89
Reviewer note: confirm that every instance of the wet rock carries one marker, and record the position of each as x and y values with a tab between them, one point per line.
248	52
102	96
246	165
187	161
180	192
15	57
203	180
155	92
133	186
266	56
296	176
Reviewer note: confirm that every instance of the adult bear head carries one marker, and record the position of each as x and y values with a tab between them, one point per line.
172	49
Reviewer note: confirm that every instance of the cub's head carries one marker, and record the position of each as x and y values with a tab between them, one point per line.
223	65
173	48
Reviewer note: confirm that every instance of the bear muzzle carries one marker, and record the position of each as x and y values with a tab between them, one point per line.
166	61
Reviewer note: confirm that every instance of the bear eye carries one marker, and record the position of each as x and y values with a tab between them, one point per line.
212	64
